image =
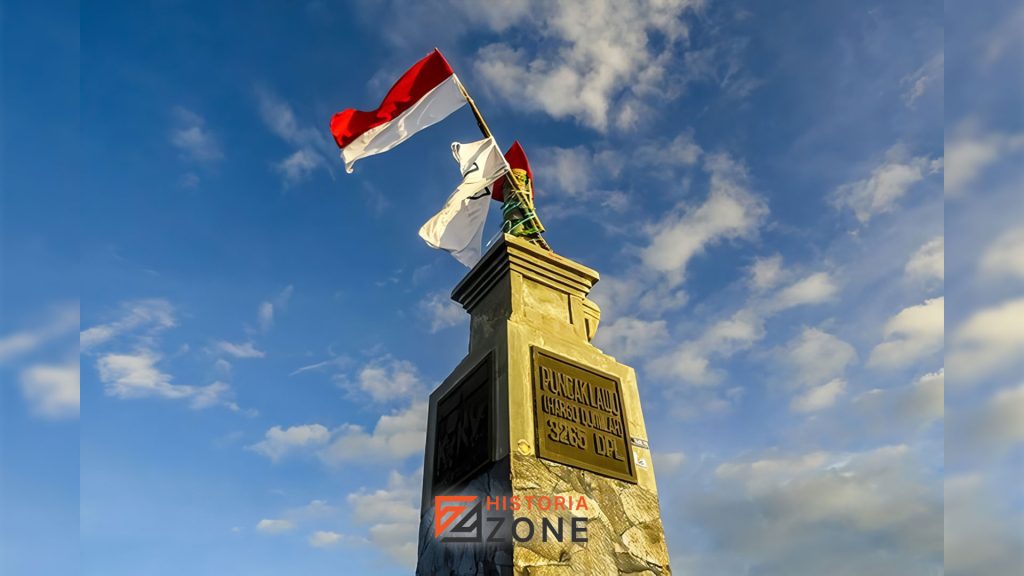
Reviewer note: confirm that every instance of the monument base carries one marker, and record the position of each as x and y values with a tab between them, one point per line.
535	413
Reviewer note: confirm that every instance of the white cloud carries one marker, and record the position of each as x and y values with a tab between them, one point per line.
993	427
819	397
571	171
241	350
630	337
681	151
335	362
299	166
640	291
191	137
150	316
604	63
312	147
929	262
60	321
274	526
982	533
325	539
766	273
691	361
52	391
267	309
442	312
904	408
385	379
917	83
814	289
914	333
873	512
990	340
136	375
279	442
392	516
1005	256
265	316
394	437
888	183
730	211
926	400
817	357
970	151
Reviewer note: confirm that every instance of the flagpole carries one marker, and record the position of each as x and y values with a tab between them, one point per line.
519	194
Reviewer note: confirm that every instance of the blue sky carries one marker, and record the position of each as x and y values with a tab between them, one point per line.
763	187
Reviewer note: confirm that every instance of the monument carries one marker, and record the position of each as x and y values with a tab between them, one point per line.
537	461
536	414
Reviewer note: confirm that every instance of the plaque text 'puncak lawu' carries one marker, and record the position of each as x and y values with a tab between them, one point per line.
579	417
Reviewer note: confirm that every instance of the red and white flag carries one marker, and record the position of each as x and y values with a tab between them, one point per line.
426	94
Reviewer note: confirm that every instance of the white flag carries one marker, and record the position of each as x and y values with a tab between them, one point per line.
458	228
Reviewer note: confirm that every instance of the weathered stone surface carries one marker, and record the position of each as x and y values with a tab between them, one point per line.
625	534
521	298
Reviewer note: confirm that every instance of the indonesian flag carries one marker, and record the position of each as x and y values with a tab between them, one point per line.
426	94
458	228
517	161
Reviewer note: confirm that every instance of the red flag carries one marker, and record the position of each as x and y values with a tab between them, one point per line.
424	95
516	158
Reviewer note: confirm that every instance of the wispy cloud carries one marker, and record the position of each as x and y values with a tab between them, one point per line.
150	317
196	144
394	437
441	312
383	379
971	150
129	360
269	309
61	320
731	211
279	442
930	74
889	181
239	350
391	515
311	147
52	390
137	375
274	526
928	262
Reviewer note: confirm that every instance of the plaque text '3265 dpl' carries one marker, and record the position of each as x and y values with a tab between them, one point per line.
579	417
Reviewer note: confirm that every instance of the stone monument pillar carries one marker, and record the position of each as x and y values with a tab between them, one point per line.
535	412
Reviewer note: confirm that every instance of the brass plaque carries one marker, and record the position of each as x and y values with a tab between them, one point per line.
463	439
579	417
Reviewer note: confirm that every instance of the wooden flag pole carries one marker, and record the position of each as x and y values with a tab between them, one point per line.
519	194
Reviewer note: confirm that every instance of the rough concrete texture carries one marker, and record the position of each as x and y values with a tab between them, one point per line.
624	530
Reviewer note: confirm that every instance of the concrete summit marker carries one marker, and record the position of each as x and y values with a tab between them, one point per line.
537	457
